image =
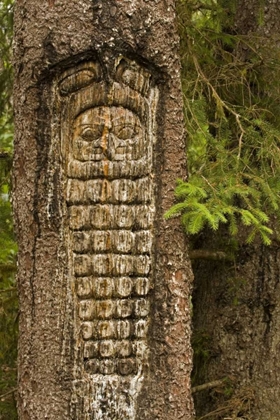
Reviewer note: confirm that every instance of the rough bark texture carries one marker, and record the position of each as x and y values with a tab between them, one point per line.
258	16
54	41
236	305
237	334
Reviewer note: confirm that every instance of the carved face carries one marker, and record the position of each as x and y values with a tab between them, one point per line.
108	133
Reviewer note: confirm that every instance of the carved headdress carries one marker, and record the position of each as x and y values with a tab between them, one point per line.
92	84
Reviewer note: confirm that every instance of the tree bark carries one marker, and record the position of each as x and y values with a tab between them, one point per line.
99	144
236	305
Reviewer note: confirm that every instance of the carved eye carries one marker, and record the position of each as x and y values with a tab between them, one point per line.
91	133
127	132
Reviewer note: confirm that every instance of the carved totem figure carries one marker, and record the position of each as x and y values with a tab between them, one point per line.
105	130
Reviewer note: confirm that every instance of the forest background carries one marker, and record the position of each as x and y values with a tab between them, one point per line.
231	89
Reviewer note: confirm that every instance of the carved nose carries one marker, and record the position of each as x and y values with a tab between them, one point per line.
108	144
105	139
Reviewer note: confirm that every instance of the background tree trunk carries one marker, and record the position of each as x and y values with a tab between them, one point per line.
63	49
236	305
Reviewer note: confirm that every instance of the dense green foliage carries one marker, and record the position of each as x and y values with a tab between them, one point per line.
232	124
8	296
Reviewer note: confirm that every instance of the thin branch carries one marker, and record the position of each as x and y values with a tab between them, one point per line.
219	101
8	267
5	155
205	254
8	369
202	6
4	396
11	289
240	137
208	385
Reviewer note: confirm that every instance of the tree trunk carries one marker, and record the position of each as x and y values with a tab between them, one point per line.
236	305
237	333
103	279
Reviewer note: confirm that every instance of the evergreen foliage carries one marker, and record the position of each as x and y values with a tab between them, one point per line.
8	295
232	124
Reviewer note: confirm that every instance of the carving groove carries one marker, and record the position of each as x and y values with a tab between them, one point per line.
107	140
